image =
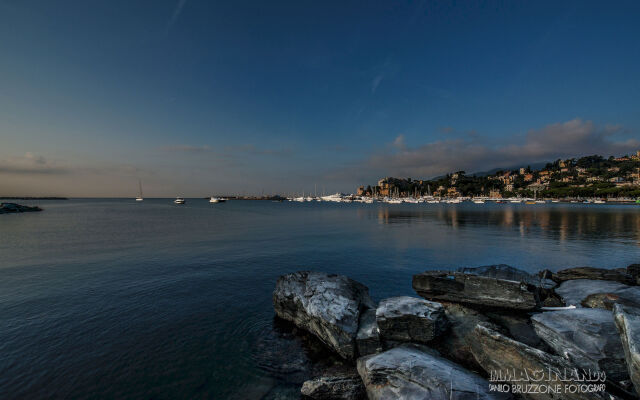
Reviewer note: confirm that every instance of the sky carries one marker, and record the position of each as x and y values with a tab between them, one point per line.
198	98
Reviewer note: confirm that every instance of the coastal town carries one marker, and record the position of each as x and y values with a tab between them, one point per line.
591	178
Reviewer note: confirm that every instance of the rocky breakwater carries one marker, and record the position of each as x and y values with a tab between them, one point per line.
13	208
491	332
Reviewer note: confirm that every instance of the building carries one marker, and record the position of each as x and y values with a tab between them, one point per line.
528	177
522	170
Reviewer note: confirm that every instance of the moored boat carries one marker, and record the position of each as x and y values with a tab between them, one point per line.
179	200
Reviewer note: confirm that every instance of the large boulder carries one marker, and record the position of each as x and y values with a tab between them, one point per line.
584	292
334	387
601	274
410	319
368	337
326	305
518	327
628	322
475	289
525	368
585	337
410	372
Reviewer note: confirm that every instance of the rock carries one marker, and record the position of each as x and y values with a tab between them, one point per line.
454	345
474	289
326	305
411	372
368	336
608	300
634	271
509	273
9	208
410	319
585	337
334	387
519	328
594	274
515	363
627	320
576	292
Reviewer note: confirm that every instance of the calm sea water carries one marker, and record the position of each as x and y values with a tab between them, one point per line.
118	299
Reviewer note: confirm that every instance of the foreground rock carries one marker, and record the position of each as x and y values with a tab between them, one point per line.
326	305
600	294
628	323
410	319
594	274
410	372
585	337
507	360
334	387
475	289
368	337
10	208
455	344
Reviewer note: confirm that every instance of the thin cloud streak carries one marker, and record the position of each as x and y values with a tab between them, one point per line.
176	14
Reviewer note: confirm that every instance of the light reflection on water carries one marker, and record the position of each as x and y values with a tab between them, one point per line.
110	298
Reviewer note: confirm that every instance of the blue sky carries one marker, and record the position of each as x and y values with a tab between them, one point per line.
202	97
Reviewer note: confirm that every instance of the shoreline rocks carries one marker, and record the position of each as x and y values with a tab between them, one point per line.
487	322
14	208
326	305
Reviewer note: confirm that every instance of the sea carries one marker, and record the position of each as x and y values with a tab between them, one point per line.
118	299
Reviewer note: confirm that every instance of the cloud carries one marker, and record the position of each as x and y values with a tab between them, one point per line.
376	82
30	163
176	13
560	140
184	148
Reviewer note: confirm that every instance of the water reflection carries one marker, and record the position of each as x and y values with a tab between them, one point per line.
558	222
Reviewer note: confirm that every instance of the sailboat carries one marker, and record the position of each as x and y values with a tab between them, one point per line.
140	198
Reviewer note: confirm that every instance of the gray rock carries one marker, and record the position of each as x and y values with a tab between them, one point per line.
334	387
368	337
585	337
410	319
455	343
519	328
475	289
326	305
10	208
411	372
628	322
594	274
515	363
576	292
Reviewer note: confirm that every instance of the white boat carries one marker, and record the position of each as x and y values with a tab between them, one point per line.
478	201
599	202
179	200
217	200
140	198
541	202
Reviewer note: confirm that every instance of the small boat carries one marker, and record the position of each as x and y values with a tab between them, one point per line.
530	202
541	202
555	201
599	201
478	201
217	200
140	198
179	200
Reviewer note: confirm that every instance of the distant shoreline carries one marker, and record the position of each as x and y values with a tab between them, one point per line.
32	198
